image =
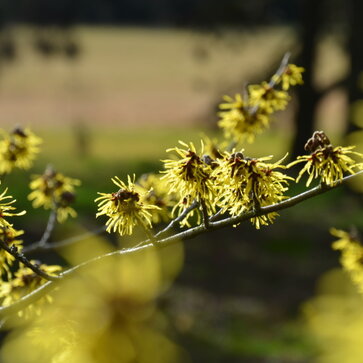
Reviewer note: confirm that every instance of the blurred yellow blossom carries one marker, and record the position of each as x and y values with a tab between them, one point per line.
239	122
334	320
18	149
291	76
267	98
105	313
53	190
351	257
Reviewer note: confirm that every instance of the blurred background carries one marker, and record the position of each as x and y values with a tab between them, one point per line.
110	85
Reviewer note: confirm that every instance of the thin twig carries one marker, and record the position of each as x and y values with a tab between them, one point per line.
49	228
13	250
273	80
35	247
215	216
280	70
204	213
175	221
184	235
148	232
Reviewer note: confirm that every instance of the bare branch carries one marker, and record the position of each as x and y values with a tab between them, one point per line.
49	228
36	247
177	220
281	69
181	236
205	214
13	250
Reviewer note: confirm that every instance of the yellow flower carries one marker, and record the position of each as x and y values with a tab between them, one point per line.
291	76
213	148
239	122
325	161
190	177
154	190
246	184
6	208
18	150
267	98
24	282
124	208
351	255
53	190
8	235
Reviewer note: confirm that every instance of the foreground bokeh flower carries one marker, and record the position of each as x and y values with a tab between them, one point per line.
334	320
105	313
351	258
124	208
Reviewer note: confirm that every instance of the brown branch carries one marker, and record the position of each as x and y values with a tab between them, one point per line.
13	250
181	236
177	220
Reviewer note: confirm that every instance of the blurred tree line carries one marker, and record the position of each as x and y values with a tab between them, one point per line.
158	12
311	19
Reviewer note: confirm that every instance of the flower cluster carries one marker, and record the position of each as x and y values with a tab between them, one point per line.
53	190
250	183
18	149
226	181
190	176
23	283
244	117
124	208
8	234
15	285
325	161
213	178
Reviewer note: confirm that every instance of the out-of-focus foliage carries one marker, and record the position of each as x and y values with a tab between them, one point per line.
104	313
334	320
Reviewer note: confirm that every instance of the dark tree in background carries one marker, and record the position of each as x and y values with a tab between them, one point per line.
355	51
319	18
311	16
